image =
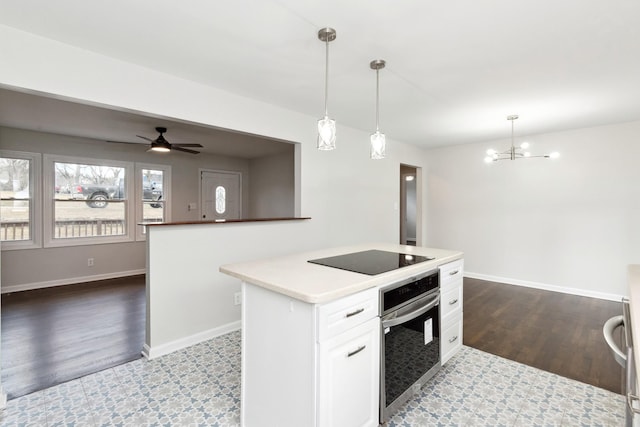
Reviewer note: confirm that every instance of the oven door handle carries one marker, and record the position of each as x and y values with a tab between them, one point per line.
411	315
607	330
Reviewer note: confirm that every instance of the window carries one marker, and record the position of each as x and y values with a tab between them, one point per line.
19	190
153	183
87	201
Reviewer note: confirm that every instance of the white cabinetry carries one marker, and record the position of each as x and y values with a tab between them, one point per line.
451	289
349	377
309	364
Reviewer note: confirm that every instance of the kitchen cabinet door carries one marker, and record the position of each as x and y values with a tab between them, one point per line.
349	377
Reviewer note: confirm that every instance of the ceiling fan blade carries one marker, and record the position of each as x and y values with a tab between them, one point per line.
186	150
187	145
145	138
124	142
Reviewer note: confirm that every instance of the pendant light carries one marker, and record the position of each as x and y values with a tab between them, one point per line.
514	153
378	143
326	126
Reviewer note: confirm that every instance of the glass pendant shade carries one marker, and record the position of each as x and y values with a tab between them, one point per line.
326	134
378	145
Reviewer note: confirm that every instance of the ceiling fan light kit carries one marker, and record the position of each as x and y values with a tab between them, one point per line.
161	145
515	152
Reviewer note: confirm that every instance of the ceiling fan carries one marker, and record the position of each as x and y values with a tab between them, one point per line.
160	144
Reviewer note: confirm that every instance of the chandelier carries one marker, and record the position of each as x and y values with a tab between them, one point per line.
514	153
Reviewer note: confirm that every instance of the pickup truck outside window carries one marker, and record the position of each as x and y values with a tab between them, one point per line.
90	200
152	197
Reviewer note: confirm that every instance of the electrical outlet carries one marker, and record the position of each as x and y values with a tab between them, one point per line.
237	298
90	262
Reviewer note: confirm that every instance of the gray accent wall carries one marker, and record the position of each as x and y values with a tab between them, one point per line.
272	186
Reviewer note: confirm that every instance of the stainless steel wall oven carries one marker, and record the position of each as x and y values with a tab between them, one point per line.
410	346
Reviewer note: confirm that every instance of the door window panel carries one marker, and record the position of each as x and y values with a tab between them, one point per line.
221	199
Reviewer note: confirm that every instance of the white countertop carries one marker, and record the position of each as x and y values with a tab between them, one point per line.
293	276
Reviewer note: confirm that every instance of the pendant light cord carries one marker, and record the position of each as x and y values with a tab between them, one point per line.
377	100
512	153
326	80
512	134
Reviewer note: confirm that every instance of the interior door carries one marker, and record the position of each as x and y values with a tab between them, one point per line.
408	205
221	195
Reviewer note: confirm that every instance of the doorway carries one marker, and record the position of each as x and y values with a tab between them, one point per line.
220	195
410	202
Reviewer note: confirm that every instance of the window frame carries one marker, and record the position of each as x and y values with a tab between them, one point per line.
48	204
35	197
166	195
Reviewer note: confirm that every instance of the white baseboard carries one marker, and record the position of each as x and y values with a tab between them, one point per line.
546	287
166	348
70	281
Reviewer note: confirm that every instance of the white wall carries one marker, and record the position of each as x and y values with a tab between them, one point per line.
189	300
568	224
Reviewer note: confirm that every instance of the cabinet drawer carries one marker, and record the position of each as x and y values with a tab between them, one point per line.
451	340
451	272
450	303
338	316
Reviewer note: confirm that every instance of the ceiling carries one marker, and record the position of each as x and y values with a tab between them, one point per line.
48	114
454	71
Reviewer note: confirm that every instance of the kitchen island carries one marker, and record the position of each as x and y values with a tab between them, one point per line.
311	335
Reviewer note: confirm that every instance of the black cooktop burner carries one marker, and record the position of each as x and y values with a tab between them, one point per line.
371	262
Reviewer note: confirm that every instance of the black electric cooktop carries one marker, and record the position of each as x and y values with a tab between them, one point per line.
371	262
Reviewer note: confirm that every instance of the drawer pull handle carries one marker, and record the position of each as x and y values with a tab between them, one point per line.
453	301
354	352
353	313
454	272
452	339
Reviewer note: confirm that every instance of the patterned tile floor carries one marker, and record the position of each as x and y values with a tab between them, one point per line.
200	386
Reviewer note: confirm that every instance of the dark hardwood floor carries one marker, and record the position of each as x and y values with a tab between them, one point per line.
50	336
552	331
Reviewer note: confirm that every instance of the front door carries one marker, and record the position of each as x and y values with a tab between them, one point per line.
221	195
